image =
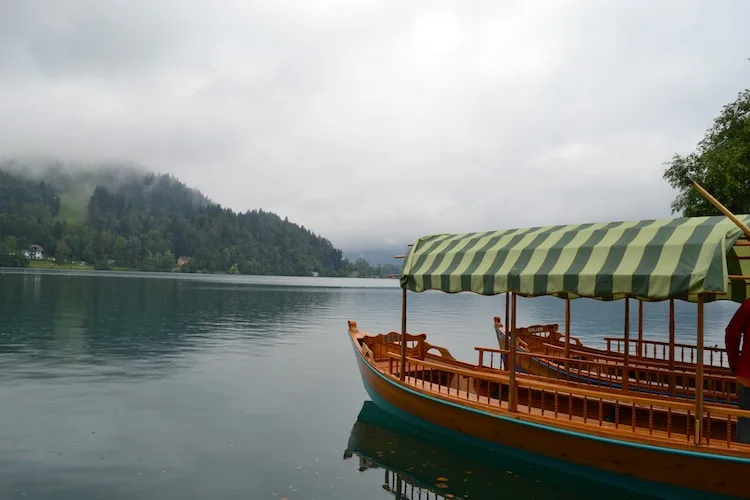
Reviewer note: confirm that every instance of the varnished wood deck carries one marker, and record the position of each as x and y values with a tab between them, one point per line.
575	425
572	417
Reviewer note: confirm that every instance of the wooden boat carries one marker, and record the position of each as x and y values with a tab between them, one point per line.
658	443
548	338
599	367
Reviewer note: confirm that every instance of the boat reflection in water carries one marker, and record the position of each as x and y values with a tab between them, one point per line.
422	464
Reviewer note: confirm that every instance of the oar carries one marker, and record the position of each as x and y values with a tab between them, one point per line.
722	208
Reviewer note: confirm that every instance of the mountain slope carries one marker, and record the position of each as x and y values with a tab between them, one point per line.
142	220
75	182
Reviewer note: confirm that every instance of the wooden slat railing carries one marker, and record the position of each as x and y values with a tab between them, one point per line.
683	353
633	361
645	418
720	389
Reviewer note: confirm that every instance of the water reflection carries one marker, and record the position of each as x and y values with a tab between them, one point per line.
98	326
419	463
215	387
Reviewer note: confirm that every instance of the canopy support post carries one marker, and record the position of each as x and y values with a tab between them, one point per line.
567	331
672	380
507	326
640	328
626	365
402	369
513	392
699	376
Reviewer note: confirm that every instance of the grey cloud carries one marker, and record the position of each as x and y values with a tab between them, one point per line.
375	122
87	38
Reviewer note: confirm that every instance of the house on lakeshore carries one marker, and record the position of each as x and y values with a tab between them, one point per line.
34	252
182	261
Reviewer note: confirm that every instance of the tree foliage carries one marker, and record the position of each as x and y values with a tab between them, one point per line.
149	221
721	164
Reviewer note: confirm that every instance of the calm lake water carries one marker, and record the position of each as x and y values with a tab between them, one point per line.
125	386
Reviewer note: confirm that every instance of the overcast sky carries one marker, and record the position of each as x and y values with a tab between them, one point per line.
374	122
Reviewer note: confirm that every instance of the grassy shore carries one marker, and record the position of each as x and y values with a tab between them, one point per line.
46	264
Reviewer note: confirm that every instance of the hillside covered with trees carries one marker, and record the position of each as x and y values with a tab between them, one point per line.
115	217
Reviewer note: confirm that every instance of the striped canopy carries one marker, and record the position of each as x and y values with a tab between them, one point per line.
650	260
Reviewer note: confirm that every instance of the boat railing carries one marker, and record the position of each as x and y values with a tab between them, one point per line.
633	361
492	358
717	388
646	418
655	349
482	385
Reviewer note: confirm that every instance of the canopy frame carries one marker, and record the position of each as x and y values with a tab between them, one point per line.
722	243
647	260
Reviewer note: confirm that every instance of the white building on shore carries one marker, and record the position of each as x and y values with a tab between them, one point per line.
34	252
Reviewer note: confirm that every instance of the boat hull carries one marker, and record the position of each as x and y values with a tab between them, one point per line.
647	469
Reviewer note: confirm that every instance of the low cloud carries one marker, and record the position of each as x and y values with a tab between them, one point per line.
377	122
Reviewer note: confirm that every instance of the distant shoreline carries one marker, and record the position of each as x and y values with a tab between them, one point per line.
86	268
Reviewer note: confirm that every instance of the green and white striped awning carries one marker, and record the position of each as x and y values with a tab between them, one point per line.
649	259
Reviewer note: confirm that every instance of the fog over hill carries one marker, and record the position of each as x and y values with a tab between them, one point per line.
113	214
376	122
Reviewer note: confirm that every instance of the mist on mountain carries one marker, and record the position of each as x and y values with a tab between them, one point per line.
120	215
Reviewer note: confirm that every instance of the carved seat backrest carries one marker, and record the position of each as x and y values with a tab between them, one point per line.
537	335
444	353
382	344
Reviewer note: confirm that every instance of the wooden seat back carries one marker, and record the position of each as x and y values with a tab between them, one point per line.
380	345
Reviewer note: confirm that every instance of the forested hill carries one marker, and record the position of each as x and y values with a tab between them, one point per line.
154	222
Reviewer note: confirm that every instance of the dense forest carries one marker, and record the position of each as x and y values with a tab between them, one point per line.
154	222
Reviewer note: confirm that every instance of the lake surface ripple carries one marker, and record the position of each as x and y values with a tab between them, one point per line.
124	386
